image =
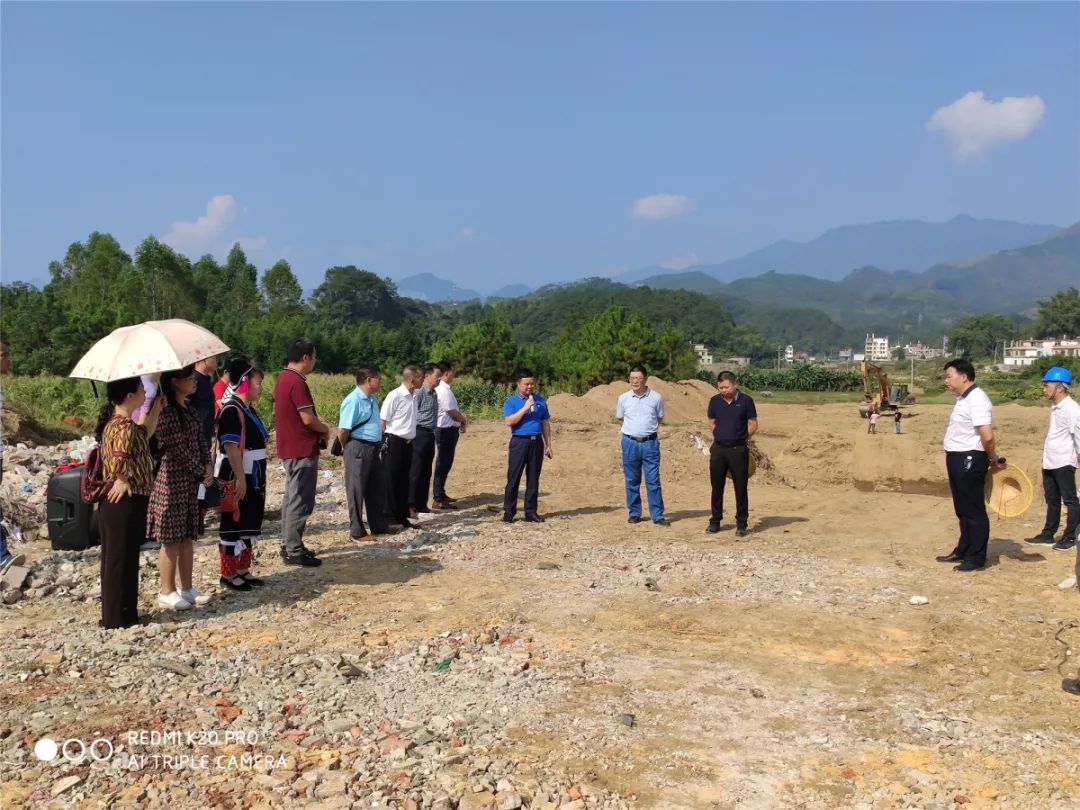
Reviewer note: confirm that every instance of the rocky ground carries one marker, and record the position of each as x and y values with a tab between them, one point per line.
826	661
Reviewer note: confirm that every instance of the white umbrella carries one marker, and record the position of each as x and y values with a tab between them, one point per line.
148	348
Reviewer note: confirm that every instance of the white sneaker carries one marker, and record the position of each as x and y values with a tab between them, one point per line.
173	601
194	597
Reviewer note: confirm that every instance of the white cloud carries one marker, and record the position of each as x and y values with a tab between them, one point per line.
662	206
680	262
206	231
252	244
974	125
467	233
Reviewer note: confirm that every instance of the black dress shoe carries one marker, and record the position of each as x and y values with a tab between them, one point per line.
255	582
533	519
307	561
949	558
741	531
407	525
662	522
967	566
507	517
712	528
633	520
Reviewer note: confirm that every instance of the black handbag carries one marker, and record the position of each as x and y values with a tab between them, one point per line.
337	448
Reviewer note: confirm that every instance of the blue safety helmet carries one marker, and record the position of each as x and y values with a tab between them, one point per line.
1059	375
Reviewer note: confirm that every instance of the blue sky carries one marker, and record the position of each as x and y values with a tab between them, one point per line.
500	143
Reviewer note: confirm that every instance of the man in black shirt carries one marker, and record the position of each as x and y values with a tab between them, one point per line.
202	404
733	420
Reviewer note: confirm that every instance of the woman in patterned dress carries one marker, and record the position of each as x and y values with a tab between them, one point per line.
242	448
125	462
173	521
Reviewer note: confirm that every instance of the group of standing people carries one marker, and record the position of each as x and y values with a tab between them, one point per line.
165	463
392	450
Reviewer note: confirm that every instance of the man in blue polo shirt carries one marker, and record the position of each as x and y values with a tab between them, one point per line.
360	434
528	418
641	410
733	420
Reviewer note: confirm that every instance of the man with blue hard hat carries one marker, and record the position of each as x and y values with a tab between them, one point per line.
1061	455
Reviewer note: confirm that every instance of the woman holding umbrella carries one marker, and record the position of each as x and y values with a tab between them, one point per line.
125	461
174	508
242	458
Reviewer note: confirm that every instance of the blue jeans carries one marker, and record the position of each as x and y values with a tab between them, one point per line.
635	457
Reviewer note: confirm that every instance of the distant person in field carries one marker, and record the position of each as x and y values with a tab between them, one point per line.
640	412
398	416
897	416
360	434
733	420
970	452
450	425
1061	456
526	414
874	416
423	450
300	436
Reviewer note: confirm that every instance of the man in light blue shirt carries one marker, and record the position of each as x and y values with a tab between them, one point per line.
360	435
641	410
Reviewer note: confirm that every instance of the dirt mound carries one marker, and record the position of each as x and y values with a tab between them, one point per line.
685	402
21	427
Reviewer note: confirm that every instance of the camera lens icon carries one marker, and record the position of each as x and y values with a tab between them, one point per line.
73	750
46	749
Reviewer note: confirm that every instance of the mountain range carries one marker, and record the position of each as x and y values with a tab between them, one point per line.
967	266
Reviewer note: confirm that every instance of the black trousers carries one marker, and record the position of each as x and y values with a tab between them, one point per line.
446	440
123	530
1059	487
967	482
365	487
398	462
526	456
735	460
423	456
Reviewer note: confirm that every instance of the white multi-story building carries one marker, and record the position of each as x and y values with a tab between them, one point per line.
704	356
877	348
1026	352
789	354
920	351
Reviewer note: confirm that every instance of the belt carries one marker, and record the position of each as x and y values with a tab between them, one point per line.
965	452
741	443
367	441
641	439
399	438
532	438
428	429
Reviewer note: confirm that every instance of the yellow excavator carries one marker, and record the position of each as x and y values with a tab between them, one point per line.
888	397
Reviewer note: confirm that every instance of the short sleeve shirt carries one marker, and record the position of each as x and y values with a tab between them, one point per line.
972	410
532	424
361	413
399	413
1062	444
731	418
291	395
125	451
447	402
641	415
427	407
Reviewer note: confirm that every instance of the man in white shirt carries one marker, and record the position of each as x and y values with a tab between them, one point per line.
640	412
398	418
1061	453
969	454
451	423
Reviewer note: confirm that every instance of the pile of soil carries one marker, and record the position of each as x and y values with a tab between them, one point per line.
685	402
21	427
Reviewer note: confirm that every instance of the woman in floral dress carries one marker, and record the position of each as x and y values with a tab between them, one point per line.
173	520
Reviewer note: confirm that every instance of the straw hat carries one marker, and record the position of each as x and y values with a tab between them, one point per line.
1009	492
